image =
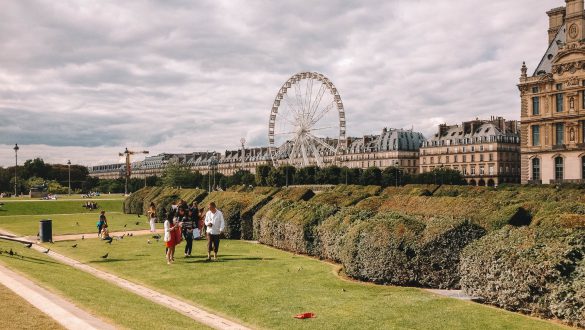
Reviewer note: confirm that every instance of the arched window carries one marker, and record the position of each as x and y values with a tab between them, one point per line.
536	169
559	168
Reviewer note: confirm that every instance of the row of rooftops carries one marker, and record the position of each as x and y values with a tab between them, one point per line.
496	129
389	140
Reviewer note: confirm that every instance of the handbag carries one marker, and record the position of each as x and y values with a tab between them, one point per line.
196	233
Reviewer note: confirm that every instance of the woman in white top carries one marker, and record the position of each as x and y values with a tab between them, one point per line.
152	217
171	239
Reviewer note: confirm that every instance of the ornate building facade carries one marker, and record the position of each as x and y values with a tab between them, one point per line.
486	152
393	147
553	103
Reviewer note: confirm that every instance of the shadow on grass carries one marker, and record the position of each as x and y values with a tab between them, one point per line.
31	259
223	259
109	260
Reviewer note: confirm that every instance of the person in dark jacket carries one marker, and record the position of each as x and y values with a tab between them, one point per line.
186	221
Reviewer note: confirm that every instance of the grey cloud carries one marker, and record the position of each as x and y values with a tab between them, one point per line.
201	74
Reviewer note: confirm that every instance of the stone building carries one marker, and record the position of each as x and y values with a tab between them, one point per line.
486	152
553	103
393	147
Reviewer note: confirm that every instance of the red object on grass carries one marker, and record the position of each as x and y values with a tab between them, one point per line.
305	316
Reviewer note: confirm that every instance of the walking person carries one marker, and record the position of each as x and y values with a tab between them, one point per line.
152	217
215	225
187	227
103	221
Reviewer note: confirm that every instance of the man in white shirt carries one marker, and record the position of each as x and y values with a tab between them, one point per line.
215	225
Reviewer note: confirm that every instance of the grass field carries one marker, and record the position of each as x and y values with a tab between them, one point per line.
105	300
27	225
67	197
265	287
22	315
36	207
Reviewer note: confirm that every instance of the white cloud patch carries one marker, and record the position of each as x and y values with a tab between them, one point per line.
82	80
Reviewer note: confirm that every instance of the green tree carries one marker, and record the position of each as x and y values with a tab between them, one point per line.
275	177
178	175
306	175
35	168
329	175
371	176
261	176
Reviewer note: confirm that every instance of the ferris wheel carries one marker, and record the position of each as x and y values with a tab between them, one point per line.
307	122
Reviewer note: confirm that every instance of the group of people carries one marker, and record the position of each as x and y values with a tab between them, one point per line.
189	222
90	205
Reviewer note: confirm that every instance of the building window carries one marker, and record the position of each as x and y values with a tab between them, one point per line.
464	158
583	167
472	158
481	157
432	160
455	159
560	134
535	135
536	169
481	170
536	106
583	130
472	170
491	157
559	98
559	168
472	148
491	170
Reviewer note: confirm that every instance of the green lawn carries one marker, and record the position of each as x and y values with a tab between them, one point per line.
265	287
22	314
105	300
35	207
28	225
65	196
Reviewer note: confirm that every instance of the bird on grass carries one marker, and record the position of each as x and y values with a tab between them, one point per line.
131	234
122	236
138	215
148	242
125	225
77	223
157	236
29	245
11	252
82	237
74	246
137	223
45	252
105	256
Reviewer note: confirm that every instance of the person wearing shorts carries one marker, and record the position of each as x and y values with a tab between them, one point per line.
215	224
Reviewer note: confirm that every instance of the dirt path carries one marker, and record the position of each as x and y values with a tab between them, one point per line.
61	310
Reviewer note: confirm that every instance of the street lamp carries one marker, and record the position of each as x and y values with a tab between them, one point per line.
69	166
16	148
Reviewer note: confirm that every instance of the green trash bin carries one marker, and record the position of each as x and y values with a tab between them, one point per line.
46	230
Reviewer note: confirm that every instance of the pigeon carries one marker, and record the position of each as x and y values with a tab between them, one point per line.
138	215
148	242
156	236
122	236
137	223
131	234
45	252
77	223
105	256
82	237
74	245
125	225
343	290
28	245
11	252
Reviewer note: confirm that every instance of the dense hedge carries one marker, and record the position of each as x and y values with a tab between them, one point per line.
532	270
291	226
346	195
295	194
238	209
139	201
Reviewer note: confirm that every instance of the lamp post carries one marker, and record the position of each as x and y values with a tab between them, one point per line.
243	142
16	148
69	168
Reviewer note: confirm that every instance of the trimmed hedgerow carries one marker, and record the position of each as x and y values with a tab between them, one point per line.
295	194
383	249
237	209
346	195
291	225
532	270
333	230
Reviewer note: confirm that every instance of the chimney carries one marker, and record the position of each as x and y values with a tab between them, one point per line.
556	19
442	129
574	19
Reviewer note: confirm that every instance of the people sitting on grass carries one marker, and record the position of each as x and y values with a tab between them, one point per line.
215	225
102	223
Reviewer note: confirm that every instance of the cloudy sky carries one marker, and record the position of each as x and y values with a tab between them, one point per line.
81	80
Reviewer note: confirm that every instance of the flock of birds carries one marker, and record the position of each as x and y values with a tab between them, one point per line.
109	241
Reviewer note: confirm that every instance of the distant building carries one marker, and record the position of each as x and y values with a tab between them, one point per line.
553	103
393	147
486	152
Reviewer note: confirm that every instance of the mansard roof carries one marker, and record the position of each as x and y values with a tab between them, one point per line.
546	62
